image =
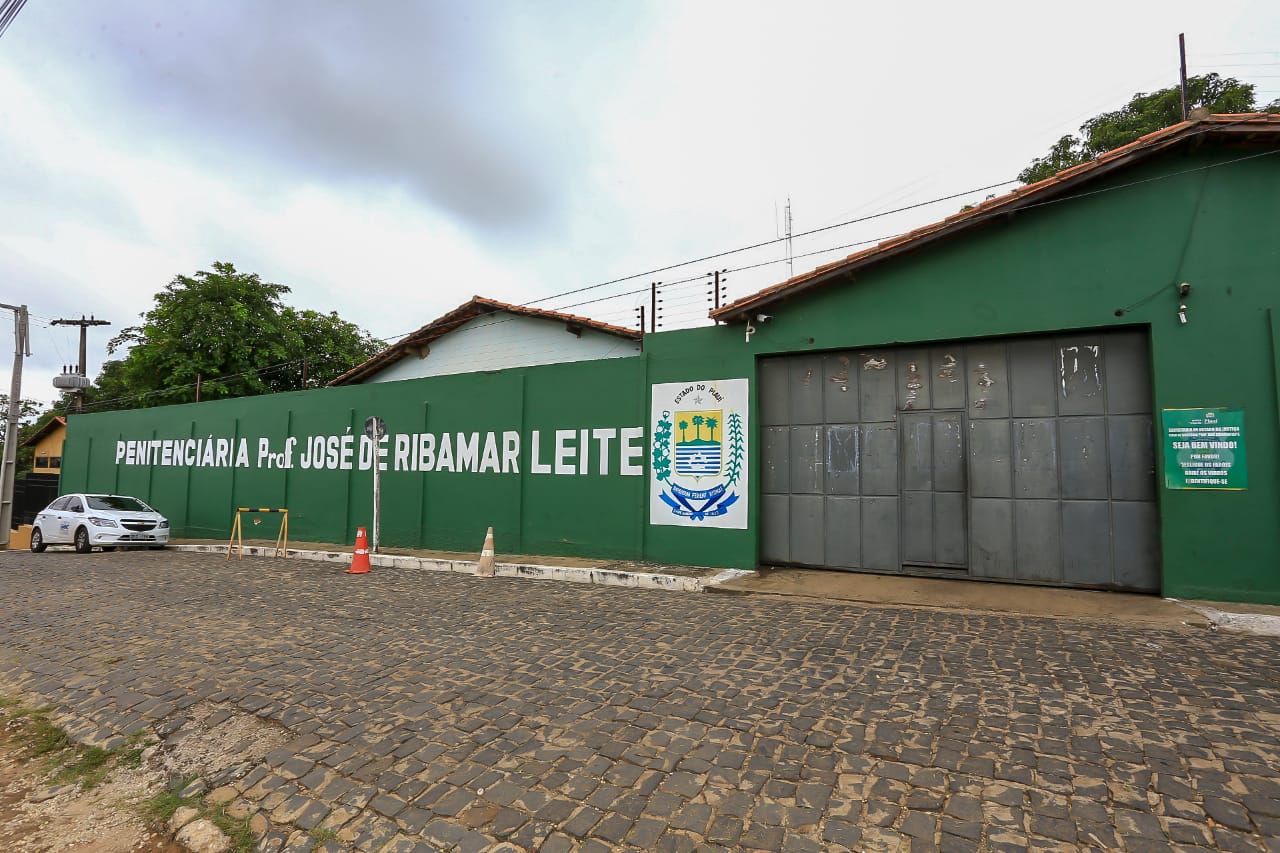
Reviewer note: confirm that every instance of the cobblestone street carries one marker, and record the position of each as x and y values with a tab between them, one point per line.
437	711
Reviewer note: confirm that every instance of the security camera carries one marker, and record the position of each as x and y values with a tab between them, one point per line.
1184	289
763	318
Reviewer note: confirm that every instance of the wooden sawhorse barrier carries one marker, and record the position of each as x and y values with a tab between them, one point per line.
237	535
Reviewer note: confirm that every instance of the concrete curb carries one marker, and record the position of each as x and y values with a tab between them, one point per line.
1261	624
529	571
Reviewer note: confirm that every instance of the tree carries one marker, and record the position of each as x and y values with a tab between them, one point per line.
712	423
697	427
1145	113
28	412
229	331
30	419
328	344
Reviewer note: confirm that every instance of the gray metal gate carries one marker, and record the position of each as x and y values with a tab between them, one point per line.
1025	459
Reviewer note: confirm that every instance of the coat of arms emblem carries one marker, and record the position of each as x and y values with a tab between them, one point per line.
699	453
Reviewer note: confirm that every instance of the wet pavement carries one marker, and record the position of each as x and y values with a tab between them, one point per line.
439	711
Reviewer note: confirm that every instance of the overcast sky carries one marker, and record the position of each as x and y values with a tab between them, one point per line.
388	160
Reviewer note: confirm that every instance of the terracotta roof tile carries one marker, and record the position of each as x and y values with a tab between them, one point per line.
55	422
1151	142
477	306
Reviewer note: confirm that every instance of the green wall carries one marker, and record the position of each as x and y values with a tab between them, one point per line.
1070	265
545	513
1124	242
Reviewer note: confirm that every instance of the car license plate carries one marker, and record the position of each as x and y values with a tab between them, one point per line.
138	537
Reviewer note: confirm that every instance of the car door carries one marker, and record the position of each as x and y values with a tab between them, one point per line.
50	521
72	517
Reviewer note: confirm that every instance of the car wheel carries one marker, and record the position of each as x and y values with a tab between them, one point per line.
82	541
37	541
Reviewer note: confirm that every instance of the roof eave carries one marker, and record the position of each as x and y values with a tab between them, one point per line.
1040	192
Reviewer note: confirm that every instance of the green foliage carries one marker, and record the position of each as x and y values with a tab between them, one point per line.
1145	113
737	447
661	439
231	331
87	766
90	768
30	419
158	809
237	829
46	737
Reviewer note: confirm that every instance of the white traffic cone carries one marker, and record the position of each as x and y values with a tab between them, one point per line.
485	568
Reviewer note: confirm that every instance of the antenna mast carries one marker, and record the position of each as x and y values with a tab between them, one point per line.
791	262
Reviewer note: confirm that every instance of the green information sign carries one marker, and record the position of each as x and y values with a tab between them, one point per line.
1204	449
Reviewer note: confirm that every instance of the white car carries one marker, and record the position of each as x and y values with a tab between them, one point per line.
109	521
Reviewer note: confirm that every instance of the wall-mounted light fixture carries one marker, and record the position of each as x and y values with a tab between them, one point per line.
1183	290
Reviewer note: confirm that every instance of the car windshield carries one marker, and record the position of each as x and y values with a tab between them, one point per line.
119	503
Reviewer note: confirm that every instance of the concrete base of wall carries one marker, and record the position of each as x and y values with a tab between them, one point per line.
695	582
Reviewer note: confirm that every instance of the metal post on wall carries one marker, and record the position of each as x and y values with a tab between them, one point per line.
1182	87
376	428
22	345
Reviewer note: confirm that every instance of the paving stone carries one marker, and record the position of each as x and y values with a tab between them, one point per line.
580	824
555	698
1228	813
444	833
694	817
921	825
838	833
760	837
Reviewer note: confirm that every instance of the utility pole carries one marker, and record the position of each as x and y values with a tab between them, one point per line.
22	344
81	368
1182	56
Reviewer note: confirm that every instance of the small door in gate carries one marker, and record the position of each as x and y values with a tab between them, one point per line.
934	523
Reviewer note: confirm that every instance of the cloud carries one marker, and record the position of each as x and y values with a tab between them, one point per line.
413	95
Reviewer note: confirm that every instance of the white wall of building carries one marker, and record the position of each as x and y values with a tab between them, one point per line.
501	340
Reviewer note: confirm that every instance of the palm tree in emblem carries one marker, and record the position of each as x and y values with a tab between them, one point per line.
684	425
712	423
698	420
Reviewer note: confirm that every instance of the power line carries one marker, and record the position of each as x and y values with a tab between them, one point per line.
9	10
775	240
869	217
645	290
871	241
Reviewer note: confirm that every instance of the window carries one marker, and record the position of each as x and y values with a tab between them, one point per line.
55	461
59	504
74	505
42	462
117	502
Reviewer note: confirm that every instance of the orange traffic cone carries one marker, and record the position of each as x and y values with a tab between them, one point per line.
485	568
360	560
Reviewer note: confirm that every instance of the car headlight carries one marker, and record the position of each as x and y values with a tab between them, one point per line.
164	524
102	522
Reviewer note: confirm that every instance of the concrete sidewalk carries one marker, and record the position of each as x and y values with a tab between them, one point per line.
812	584
1020	599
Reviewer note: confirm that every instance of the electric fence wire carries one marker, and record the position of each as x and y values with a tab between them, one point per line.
9	10
975	219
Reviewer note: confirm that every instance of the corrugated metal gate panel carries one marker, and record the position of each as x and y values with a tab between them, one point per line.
1024	459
